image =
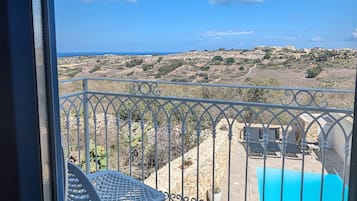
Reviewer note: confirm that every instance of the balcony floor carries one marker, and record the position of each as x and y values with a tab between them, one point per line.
333	165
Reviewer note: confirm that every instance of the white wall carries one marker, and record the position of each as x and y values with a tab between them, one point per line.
339	137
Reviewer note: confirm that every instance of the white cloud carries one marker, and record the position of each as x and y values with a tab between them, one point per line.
234	1
354	33
226	33
317	39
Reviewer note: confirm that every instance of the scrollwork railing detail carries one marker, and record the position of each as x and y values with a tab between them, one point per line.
304	98
145	88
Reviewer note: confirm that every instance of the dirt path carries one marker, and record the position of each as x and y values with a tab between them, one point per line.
243	76
249	71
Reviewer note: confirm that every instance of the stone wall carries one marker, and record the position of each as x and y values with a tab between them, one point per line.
312	134
204	164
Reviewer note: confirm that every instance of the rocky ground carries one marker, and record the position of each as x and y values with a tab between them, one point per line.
286	65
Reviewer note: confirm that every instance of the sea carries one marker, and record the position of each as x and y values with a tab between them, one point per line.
76	54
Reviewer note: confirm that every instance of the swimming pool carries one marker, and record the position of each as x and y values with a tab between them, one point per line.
332	190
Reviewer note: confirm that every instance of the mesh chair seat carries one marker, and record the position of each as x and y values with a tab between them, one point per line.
108	186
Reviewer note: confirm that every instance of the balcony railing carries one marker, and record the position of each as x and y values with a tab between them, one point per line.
187	139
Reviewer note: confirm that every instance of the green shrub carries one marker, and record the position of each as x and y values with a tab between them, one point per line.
205	68
313	72
204	75
179	80
98	157
267	55
267	50
192	77
257	61
241	68
147	67
73	72
134	62
96	68
230	61
217	58
159	59
163	70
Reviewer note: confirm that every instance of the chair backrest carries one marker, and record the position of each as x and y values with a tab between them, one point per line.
252	134
271	133
79	187
291	138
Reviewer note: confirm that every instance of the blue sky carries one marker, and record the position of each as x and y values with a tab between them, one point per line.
183	25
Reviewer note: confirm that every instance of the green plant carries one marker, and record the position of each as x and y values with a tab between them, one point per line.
267	50
96	68
163	70
179	80
313	72
186	163
203	75
258	95
205	68
134	62
217	189
98	157
73	72
224	127
217	58
241	68
147	67
267	55
230	61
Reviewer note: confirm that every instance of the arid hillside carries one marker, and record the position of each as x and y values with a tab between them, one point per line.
260	66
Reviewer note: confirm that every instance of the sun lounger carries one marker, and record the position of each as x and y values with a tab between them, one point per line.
291	147
272	146
253	141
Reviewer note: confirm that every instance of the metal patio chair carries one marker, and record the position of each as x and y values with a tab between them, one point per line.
107	186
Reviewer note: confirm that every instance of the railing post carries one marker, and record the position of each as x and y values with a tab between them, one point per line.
86	124
352	190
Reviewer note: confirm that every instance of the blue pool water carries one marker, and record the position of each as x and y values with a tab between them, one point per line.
332	189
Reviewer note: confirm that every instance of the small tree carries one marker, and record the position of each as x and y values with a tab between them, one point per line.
267	55
230	61
159	59
217	58
313	72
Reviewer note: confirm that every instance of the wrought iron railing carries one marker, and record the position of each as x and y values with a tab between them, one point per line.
186	139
